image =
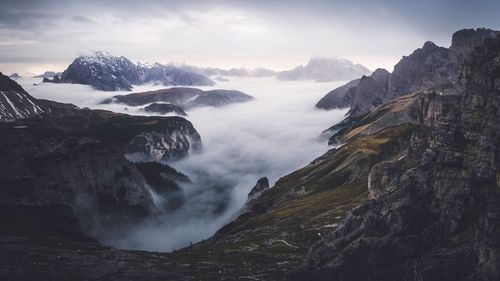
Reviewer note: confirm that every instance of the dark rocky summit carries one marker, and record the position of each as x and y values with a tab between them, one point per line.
15	102
261	186
164	108
325	70
183	97
109	73
413	194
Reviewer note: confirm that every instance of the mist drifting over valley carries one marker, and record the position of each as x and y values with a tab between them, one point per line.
272	135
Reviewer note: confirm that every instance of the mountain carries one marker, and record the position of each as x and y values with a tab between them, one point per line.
15	102
171	75
412	194
48	74
110	73
14	76
429	66
183	97
325	70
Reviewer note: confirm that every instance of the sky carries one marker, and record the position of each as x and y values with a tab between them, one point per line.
37	35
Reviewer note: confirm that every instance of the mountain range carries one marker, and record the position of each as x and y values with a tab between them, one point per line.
105	72
110	73
410	193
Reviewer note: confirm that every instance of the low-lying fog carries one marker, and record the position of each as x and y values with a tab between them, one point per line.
271	136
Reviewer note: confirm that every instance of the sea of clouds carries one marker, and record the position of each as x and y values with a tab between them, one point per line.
273	135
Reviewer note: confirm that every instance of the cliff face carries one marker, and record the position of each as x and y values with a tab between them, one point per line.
434	215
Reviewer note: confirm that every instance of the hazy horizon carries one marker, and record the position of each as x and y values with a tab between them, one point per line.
36	36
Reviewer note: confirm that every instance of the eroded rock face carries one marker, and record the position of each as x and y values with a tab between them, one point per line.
438	217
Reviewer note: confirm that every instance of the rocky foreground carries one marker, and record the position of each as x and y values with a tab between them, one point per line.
412	194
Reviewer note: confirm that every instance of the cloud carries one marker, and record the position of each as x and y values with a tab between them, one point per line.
271	136
277	34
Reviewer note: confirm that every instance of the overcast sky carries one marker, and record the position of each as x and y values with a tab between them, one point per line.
40	35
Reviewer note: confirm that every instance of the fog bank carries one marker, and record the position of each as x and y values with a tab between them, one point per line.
271	136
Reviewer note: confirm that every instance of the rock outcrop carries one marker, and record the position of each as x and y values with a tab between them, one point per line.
261	186
15	102
324	70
